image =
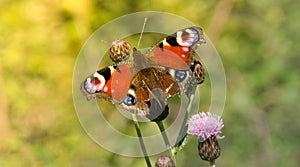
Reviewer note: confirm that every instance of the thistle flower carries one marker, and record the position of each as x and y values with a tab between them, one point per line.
164	161
208	128
119	51
205	125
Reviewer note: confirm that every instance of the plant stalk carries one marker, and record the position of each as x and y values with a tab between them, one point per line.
212	163
171	149
143	147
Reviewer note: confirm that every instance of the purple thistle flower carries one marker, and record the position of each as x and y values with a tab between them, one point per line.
164	161
205	125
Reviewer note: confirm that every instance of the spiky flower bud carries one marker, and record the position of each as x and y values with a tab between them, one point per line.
209	150
198	71
119	51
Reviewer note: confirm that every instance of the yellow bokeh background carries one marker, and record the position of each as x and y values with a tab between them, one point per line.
258	42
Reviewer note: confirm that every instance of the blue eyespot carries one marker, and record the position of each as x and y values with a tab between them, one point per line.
180	75
129	100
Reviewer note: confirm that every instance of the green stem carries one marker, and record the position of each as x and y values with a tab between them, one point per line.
183	130
212	163
171	150
139	133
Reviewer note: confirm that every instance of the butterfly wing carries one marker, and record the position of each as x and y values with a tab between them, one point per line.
176	50
111	83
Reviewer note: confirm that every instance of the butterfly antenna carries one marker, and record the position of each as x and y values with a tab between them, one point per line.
142	32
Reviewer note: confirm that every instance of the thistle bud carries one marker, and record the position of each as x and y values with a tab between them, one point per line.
209	150
119	51
198	71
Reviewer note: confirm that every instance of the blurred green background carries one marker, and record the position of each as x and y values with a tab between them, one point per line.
257	40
